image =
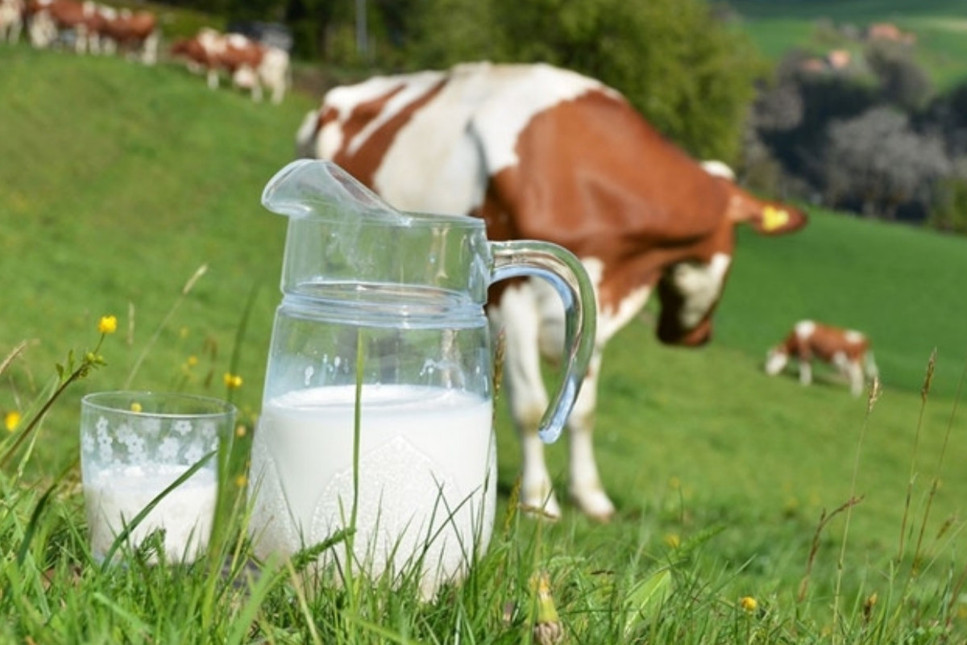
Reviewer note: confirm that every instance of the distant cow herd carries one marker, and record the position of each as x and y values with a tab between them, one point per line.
93	28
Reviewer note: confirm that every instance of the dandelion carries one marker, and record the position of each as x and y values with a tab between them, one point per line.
107	324
136	407
232	381
749	604
240	431
192	361
11	420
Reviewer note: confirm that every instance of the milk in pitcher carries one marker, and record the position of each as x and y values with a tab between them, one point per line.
426	477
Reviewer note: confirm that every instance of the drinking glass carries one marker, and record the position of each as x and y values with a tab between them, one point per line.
135	446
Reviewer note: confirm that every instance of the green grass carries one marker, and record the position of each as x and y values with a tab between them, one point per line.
720	473
776	27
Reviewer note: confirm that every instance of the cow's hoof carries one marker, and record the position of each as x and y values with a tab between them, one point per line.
595	504
541	506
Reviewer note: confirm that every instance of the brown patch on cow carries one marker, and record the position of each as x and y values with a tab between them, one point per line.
128	30
66	14
825	342
366	160
232	53
599	180
501	224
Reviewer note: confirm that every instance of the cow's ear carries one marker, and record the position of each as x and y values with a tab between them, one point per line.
766	217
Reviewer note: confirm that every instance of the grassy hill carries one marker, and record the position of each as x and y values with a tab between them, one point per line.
117	182
940	27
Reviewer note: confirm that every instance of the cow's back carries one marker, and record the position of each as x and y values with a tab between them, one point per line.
566	154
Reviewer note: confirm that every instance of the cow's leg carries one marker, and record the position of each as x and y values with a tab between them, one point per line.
518	316
80	39
585	484
805	370
41	30
149	48
278	90
212	78
854	371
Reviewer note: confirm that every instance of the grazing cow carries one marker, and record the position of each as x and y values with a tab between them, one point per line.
135	32
249	64
11	20
544	153
49	19
845	349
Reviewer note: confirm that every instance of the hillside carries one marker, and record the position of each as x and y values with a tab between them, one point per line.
118	182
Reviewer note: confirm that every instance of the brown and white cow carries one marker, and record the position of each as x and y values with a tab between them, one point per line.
249	64
47	19
544	153
845	349
134	32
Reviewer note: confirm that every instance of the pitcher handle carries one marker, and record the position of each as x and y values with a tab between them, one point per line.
557	265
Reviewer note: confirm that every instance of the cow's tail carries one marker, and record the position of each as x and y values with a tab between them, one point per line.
306	135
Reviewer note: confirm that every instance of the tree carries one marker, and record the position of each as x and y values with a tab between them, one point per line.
876	163
443	32
688	74
902	81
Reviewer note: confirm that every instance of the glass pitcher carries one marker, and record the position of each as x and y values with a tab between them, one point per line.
377	411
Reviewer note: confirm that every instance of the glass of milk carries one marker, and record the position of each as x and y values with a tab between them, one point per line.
134	446
377	412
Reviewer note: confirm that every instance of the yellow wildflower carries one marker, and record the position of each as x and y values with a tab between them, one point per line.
240	431
241	481
11	420
233	381
749	604
136	407
107	324
192	360
673	540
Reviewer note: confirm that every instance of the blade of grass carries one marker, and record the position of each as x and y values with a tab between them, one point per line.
38	511
199	272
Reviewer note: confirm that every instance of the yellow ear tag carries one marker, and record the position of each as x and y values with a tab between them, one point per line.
773	218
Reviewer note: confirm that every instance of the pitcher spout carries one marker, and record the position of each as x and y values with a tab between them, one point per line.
308	187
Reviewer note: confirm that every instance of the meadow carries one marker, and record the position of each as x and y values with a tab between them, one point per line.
751	510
